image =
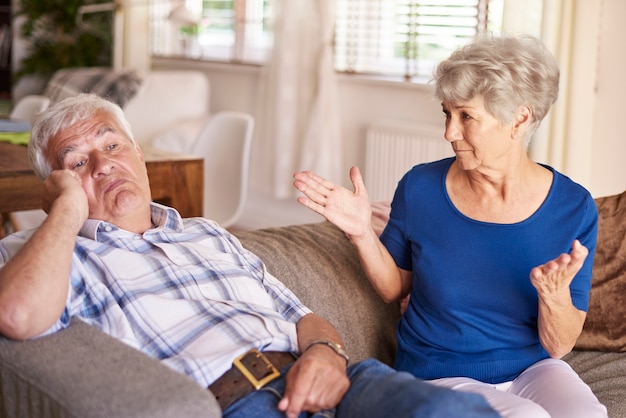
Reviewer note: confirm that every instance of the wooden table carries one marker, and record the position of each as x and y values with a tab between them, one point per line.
175	180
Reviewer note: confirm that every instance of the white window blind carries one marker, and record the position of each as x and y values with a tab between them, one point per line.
404	37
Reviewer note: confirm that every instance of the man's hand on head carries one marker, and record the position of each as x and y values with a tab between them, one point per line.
63	190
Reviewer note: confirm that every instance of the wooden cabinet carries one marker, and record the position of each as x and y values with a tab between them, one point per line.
175	180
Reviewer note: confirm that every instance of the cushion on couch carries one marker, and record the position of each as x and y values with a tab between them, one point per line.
605	327
117	86
605	373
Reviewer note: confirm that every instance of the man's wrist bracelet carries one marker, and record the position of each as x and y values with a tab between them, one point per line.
337	348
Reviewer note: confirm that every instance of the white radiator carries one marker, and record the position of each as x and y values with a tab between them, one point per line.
393	147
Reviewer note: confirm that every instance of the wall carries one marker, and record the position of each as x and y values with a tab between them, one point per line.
361	100
364	101
609	147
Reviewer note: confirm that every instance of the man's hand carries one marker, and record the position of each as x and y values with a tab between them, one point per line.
64	188
316	381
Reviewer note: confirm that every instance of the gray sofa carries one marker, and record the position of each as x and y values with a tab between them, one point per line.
80	372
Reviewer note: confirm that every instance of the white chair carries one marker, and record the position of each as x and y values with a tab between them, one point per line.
28	107
225	143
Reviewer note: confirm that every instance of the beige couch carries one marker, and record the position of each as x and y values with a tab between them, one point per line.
83	373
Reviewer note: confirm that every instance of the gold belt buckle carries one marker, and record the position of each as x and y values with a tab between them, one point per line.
271	372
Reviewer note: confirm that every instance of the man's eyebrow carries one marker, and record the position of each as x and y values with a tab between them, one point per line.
63	154
104	129
65	151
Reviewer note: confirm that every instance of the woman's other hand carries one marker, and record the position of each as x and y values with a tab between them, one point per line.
560	322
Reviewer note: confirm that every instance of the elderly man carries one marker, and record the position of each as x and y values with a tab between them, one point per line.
181	290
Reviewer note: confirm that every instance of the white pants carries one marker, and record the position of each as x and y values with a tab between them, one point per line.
548	388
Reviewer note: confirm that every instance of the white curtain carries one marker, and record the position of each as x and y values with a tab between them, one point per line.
298	125
131	35
564	139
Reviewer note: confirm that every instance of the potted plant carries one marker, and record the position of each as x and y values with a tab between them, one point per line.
54	41
189	39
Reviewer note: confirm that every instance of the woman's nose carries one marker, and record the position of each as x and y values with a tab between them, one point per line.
452	132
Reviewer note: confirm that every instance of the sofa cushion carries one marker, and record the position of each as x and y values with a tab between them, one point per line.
318	263
605	328
605	373
117	86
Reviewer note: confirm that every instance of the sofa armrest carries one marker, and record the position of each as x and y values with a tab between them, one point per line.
82	372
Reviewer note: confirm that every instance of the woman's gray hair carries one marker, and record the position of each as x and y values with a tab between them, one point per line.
507	71
64	115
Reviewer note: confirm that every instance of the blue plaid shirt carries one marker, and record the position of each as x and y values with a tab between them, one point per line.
185	292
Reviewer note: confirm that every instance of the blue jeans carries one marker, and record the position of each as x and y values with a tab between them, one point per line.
376	390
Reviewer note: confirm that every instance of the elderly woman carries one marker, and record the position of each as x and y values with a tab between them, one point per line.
494	249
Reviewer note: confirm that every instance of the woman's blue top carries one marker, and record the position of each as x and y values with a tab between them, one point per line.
473	309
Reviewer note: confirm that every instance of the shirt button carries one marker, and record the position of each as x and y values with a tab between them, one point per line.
108	228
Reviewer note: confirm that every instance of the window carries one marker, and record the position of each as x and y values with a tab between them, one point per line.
222	30
406	37
403	39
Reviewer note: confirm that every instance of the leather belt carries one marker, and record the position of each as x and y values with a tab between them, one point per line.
250	371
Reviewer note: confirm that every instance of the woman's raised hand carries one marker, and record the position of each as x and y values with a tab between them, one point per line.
349	211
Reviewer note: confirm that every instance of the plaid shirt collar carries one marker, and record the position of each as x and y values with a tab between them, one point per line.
162	217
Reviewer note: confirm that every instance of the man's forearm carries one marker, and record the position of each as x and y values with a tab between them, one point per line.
35	282
314	328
